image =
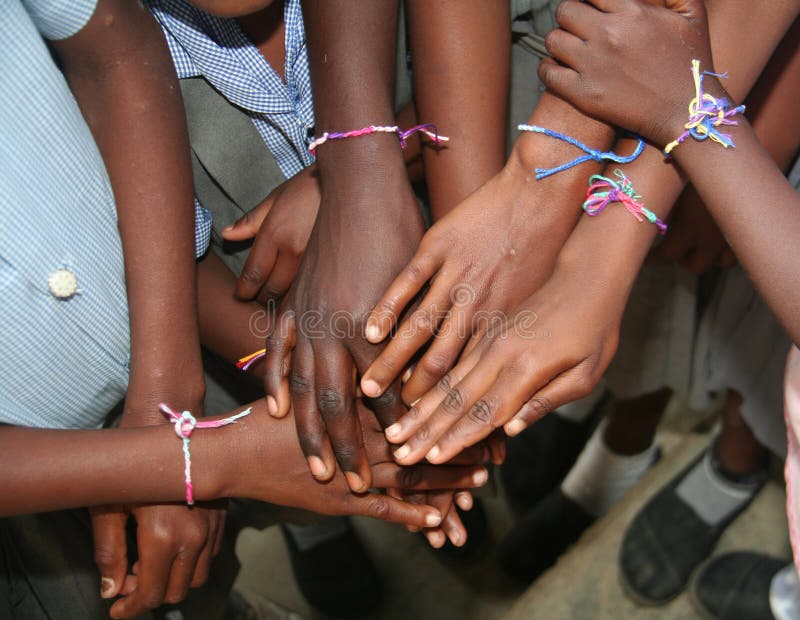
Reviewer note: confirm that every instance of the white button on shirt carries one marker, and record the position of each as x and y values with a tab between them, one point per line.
63	283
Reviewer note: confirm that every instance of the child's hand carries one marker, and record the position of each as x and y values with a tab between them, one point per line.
628	62
175	547
481	260
289	483
555	349
281	225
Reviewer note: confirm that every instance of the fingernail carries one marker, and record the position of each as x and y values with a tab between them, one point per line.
455	538
414	404
402	452
355	482
372	333
393	431
272	405
317	467
515	427
227	228
370	387
437	540
433	520
106	587
407	374
433	453
464	501
480	477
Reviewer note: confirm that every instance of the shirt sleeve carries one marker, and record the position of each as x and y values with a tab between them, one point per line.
60	19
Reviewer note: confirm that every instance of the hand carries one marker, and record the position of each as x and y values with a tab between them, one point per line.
482	259
628	62
364	234
175	547
281	225
555	348
292	485
693	239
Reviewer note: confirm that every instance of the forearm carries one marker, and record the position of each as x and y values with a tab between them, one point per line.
351	51
461	85
229	327
122	76
617	233
57	469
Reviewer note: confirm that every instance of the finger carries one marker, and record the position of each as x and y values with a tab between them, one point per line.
415	331
399	294
422	409
247	226
202	567
699	260
565	47
220	530
388	407
428	477
608	6
576	17
257	268
497	447
563	81
333	376
567	387
436	538
311	431
183	570
110	548
280	343
392	510
726	258
153	573
280	278
464	500
454	528
440	357
474	455
460	400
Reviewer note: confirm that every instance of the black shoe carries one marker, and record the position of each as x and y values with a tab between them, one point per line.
667	540
735	586
479	537
540	456
542	536
336	576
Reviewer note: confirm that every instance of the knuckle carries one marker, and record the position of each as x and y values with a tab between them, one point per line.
388	400
482	414
454	401
562	10
151	600
540	406
252	275
106	556
435	364
444	384
379	507
300	385
409	477
330	402
346	452
423	433
413	271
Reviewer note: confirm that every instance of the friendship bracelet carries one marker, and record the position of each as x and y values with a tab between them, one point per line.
603	191
245	362
707	113
366	131
591	154
184	424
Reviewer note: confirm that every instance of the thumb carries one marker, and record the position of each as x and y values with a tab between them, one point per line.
247	226
687	8
110	548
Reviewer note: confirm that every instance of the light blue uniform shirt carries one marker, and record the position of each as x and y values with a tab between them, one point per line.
63	360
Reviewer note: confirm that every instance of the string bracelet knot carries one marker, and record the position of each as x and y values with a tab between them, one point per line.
590	153
707	114
184	424
604	191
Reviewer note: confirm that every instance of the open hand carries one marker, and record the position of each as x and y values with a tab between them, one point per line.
628	62
281	225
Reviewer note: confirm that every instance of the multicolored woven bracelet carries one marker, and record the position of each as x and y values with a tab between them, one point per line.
428	129
245	362
707	114
603	191
184	423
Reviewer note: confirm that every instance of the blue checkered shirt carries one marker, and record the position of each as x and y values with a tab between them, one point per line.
63	362
217	49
